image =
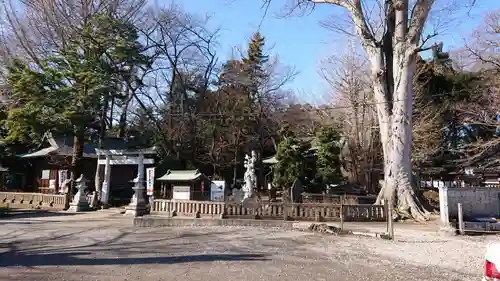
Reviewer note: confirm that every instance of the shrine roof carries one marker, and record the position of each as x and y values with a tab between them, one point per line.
181	175
270	160
63	145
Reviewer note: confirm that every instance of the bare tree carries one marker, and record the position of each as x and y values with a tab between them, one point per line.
183	69
481	116
391	43
428	122
355	115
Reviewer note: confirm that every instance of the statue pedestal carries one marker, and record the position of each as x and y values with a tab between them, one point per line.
80	202
138	205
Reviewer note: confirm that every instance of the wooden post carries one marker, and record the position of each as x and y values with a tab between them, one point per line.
342	217
390	222
461	225
386	215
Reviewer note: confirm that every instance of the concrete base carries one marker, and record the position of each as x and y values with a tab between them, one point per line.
79	207
136	211
159	221
447	230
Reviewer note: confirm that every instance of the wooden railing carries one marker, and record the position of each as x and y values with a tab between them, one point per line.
294	211
33	200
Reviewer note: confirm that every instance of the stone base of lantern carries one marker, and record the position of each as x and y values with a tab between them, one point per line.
136	210
137	206
79	204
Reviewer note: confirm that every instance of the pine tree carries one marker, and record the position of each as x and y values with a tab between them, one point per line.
290	160
328	162
254	64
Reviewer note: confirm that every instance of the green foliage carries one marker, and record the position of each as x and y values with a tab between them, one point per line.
328	156
255	58
254	64
290	160
66	91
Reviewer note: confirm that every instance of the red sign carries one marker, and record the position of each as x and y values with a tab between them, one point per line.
202	186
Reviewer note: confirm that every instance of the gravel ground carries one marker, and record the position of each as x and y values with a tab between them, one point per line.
104	246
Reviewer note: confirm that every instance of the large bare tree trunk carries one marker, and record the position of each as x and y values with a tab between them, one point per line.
393	62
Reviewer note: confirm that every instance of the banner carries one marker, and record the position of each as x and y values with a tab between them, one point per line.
150	181
61	182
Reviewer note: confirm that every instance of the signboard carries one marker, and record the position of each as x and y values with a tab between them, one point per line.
181	193
62	177
52	184
217	189
150	180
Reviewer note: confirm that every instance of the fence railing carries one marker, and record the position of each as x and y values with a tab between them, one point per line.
292	211
33	200
337	199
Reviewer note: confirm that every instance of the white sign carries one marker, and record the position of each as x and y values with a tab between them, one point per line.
62	177
52	184
181	193
150	180
217	190
45	174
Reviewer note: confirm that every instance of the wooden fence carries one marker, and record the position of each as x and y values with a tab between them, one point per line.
33	200
293	211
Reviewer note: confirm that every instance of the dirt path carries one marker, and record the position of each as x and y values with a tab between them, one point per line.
106	247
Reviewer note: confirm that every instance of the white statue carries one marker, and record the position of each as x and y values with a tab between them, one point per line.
250	177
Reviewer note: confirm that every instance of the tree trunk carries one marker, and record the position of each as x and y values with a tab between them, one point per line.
396	139
76	161
96	198
122	123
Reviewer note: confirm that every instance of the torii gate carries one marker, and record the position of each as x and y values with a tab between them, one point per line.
109	157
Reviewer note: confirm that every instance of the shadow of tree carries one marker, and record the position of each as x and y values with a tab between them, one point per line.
56	248
78	258
21	214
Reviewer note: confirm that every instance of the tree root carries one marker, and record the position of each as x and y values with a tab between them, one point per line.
408	203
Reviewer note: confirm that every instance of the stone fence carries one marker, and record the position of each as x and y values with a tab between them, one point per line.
33	200
337	199
292	211
476	202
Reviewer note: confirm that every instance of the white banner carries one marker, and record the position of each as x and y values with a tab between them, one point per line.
150	180
62	177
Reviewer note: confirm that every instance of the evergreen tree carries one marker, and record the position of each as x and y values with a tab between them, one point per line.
328	154
290	160
66	92
254	64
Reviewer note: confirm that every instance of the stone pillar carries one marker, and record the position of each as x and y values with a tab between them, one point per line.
106	184
443	205
140	168
446	228
80	202
138	205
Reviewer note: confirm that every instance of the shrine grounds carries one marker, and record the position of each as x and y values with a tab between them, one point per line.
105	246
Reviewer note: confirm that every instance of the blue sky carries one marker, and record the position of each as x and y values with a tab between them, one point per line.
300	41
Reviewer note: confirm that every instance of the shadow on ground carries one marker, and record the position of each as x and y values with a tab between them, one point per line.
78	258
21	214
